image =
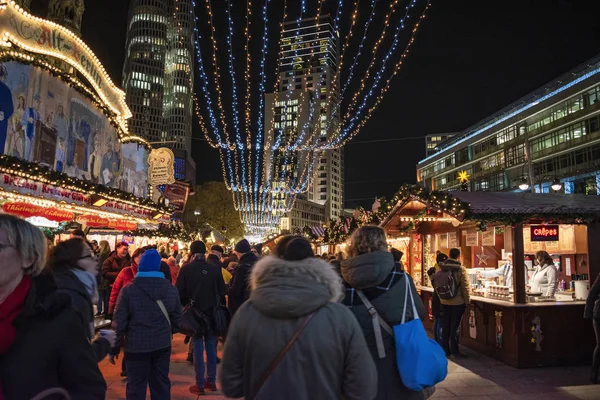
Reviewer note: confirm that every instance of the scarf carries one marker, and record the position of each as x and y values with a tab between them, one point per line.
9	311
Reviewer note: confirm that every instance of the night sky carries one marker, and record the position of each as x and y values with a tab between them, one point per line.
470	59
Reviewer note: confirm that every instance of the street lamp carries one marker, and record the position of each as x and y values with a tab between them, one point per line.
556	185
523	185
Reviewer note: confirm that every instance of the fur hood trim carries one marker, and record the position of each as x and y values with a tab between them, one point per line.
272	268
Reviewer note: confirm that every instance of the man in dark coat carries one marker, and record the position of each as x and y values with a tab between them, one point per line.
203	284
239	290
51	350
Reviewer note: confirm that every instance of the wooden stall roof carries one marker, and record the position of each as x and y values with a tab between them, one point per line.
529	203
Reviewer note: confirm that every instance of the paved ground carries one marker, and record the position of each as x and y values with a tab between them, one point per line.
478	377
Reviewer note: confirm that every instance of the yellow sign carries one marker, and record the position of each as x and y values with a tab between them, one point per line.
463	176
37	35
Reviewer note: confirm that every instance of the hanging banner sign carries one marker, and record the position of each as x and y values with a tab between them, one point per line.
47	38
162	167
177	194
472	238
94	221
27	210
544	233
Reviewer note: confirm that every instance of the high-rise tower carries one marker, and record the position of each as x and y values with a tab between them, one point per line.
308	65
158	74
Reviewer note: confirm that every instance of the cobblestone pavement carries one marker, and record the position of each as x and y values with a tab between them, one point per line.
477	377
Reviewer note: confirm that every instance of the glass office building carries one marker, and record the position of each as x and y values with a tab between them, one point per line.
548	138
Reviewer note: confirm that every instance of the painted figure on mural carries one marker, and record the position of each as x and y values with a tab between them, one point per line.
6	106
15	144
85	132
95	159
60	154
61	123
30	118
110	164
499	329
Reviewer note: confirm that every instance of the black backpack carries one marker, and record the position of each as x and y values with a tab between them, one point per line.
445	284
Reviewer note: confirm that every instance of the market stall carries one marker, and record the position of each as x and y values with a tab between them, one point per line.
507	321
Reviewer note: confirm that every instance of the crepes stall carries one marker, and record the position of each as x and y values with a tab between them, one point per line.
499	234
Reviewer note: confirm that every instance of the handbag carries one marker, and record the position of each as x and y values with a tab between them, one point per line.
421	361
282	354
221	316
52	392
193	322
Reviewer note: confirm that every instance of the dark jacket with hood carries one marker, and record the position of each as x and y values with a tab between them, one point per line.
111	268
328	361
68	283
239	289
384	284
202	282
51	349
139	318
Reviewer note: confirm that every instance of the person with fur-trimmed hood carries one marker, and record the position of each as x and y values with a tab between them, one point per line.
296	296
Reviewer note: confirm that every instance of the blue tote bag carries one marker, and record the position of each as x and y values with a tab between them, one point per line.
421	361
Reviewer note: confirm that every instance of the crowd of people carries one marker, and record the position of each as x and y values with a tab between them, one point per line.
293	324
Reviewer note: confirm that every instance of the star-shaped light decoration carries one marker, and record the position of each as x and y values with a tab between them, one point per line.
463	176
482	257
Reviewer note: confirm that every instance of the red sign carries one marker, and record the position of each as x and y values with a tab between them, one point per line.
94	221
177	193
544	233
27	210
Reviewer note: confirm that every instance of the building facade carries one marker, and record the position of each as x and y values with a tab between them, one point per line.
550	137
158	74
304	213
433	141
308	67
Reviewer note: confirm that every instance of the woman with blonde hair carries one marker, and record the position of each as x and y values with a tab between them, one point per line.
372	270
545	277
43	342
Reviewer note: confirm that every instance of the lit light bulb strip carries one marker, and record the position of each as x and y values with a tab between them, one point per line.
239	146
220	137
343	140
247	103
365	79
378	77
261	106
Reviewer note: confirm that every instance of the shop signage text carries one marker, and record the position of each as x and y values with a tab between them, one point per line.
544	233
94	221
27	210
161	169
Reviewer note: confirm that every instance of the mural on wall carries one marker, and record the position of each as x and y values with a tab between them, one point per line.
499	329
536	333
472	323
44	120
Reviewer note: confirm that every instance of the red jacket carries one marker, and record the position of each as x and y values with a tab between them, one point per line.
124	278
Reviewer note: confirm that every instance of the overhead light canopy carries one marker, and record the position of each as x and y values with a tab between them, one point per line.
98	201
556	184
523	185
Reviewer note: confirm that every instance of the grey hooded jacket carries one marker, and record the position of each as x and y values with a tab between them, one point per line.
385	285
329	360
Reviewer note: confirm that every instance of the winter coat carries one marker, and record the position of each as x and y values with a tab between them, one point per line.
592	304
125	277
436	305
205	281
544	280
139	318
239	289
68	283
328	361
112	266
102	284
462	277
384	284
51	349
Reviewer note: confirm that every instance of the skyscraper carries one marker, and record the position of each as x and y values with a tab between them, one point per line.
308	66
158	75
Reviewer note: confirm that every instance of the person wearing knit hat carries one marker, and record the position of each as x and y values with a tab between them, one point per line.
198	273
145	319
239	290
217	250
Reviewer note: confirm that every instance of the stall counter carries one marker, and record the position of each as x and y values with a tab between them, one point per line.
524	335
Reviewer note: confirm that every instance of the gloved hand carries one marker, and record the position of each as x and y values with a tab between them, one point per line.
109	335
114	355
